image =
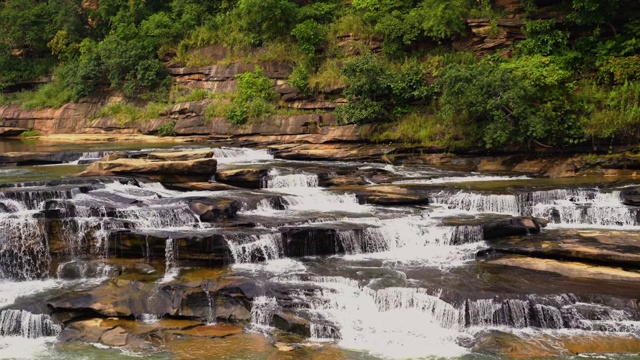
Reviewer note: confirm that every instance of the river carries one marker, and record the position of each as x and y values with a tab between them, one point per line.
308	268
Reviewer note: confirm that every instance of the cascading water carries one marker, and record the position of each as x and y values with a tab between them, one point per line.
170	260
477	203
250	248
227	155
392	322
25	324
24	252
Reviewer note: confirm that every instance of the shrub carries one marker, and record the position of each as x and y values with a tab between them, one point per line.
265	19
501	103
167	129
543	38
299	78
310	36
375	92
254	96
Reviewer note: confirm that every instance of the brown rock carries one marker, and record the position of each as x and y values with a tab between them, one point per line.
144	167
180	155
568	269
115	337
246	178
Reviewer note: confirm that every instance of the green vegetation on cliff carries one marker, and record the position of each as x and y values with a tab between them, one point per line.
434	72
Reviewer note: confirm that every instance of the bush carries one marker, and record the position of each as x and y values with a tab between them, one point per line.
310	36
299	78
502	103
167	129
611	113
265	19
543	38
254	96
376	93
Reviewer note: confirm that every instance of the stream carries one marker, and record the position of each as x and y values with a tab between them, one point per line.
303	260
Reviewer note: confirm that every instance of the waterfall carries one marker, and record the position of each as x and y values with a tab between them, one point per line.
89	157
547	314
170	260
583	208
228	155
262	311
392	322
293	181
25	324
477	203
24	251
250	248
161	216
415	237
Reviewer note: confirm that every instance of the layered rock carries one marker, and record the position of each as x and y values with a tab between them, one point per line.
169	167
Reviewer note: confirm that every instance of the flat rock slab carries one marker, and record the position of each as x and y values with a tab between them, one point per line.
212	331
617	248
144	166
568	268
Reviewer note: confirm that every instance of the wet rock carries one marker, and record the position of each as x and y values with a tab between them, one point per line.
200	186
204	300
88	331
211	331
292	323
393	195
510	346
613	248
215	209
55	209
180	155
631	196
343	151
567	268
511	227
245	178
38	158
85	269
114	337
192	248
201	167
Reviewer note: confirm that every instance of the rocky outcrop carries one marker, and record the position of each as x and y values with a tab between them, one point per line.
611	248
631	196
204	301
161	166
512	226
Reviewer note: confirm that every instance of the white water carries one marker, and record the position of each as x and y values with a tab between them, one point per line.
477	203
391	322
24	252
227	155
246	249
461	179
171	270
302	194
88	157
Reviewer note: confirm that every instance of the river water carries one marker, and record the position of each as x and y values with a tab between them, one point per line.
398	281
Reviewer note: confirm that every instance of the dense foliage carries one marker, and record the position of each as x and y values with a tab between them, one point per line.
574	77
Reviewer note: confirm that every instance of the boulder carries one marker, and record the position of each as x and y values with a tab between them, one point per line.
514	226
251	178
214	209
631	196
200	186
180	155
144	166
292	323
570	269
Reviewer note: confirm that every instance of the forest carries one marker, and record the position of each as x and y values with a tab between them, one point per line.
570	76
